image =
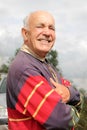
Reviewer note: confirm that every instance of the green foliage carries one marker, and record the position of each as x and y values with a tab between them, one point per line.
4	68
53	59
82	125
16	52
0	77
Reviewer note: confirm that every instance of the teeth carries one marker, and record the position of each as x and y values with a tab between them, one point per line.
44	40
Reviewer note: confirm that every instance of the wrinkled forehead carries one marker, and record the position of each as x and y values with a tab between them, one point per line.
41	17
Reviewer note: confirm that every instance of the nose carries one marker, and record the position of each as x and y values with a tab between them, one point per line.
46	31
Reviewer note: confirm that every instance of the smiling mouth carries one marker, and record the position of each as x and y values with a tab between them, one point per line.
47	40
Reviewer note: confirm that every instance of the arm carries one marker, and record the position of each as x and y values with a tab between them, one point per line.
69	94
48	108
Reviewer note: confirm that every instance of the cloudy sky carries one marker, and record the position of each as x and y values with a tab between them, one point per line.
71	32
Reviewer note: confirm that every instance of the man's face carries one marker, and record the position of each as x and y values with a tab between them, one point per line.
41	34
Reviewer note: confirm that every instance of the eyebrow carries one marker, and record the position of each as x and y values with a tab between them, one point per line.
42	24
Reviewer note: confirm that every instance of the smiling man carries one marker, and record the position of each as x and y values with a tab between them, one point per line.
39	33
37	97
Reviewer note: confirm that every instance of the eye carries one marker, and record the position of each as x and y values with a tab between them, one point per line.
39	26
52	28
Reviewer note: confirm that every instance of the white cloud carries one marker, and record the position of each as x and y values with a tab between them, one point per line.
80	83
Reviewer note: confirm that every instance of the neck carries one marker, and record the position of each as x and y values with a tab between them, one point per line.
26	49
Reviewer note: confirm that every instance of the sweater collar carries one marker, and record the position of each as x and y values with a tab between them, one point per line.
26	49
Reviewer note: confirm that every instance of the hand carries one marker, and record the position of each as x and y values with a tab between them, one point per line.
61	90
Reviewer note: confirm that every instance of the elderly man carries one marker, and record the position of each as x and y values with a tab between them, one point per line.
37	97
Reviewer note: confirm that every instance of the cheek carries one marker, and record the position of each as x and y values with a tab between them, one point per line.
36	31
32	38
54	36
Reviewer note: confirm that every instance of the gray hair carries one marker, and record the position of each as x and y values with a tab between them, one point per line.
26	22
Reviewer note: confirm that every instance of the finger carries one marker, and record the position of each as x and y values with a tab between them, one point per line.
53	82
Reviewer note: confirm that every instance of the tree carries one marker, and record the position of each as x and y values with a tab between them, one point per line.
4	68
82	125
16	52
53	59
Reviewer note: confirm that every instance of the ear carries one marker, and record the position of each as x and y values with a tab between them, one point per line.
24	34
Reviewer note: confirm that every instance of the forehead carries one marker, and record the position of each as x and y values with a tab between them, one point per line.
42	17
